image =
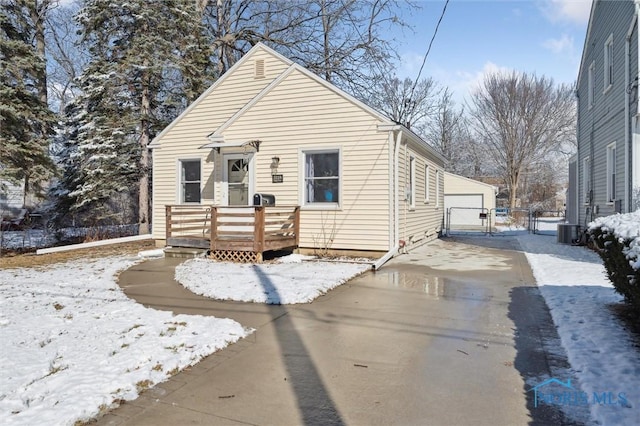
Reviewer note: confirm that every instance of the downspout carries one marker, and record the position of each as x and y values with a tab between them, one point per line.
578	165
395	202
627	111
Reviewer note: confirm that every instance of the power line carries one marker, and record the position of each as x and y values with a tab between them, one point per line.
424	61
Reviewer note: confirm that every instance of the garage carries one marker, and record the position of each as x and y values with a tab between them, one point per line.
466	202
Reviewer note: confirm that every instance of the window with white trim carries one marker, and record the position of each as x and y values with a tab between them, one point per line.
411	192
321	176
427	183
437	188
190	179
591	85
586	180
611	172
608	63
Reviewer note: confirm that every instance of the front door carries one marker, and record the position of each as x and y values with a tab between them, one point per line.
237	171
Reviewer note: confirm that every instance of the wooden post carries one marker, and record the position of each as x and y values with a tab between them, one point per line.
167	222
258	229
214	228
296	224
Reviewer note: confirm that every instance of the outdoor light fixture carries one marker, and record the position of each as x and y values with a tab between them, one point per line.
275	177
275	162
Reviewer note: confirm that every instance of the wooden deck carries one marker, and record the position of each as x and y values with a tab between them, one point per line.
239	233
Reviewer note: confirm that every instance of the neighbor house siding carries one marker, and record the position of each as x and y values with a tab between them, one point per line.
183	138
423	222
11	196
604	122
301	114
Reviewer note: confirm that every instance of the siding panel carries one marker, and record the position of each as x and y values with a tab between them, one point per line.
604	122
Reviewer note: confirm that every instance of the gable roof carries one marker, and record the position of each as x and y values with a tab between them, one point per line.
292	66
297	67
587	36
246	57
473	181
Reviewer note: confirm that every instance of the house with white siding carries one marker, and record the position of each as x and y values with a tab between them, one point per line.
345	178
605	172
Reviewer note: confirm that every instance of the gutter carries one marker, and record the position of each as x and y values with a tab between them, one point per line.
627	98
393	184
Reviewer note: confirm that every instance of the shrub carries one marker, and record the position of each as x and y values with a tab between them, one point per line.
617	241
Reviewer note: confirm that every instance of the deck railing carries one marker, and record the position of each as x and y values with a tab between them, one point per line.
233	228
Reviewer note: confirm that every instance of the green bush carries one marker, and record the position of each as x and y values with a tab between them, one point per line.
613	251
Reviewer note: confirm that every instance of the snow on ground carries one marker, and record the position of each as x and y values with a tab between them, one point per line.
601	352
287	282
40	238
73	343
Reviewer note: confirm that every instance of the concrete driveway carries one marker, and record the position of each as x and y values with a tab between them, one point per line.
446	335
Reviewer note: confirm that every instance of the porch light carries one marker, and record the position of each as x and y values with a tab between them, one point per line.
275	162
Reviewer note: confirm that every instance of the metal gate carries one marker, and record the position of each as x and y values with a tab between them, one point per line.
467	220
506	221
545	222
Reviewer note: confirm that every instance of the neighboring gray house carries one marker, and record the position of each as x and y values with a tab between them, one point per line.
605	173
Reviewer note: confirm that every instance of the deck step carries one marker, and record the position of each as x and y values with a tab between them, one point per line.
184	252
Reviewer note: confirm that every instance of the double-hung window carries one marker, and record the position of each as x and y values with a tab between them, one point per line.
321	176
411	193
586	180
438	188
591	84
611	172
608	63
427	183
190	179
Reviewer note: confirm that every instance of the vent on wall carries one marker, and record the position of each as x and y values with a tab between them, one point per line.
259	68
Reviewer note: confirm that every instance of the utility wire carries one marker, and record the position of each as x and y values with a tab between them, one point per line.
424	61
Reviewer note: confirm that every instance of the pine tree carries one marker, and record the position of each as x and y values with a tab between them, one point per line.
26	123
138	50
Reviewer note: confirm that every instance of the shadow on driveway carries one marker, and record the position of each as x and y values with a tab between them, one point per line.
314	402
540	355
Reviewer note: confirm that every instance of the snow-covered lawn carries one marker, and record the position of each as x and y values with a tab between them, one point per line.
601	352
72	344
288	281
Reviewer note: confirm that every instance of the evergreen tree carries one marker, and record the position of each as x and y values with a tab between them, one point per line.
26	123
147	60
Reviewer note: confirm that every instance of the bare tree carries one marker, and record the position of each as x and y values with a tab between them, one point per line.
520	118
445	130
65	57
340	40
396	99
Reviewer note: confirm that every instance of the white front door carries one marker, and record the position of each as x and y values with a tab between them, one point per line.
238	179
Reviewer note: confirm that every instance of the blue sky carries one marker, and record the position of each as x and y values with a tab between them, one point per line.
479	36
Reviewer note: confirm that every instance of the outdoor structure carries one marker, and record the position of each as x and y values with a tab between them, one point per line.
342	177
605	173
466	200
12	211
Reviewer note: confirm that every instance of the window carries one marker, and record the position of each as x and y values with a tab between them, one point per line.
437	188
411	191
427	183
608	63
591	88
321	176
611	172
586	180
189	181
